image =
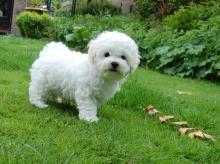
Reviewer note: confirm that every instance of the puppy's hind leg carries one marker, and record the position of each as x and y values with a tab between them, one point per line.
36	95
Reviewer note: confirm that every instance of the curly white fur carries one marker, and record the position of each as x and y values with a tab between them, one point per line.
88	79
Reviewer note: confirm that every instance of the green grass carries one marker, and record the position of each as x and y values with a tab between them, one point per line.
124	134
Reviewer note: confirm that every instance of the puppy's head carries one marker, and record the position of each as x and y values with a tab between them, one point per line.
115	54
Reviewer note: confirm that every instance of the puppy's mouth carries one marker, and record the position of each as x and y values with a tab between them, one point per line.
113	70
113	74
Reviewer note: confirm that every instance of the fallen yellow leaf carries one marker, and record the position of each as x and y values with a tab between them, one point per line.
149	107
200	134
184	130
153	112
165	118
181	123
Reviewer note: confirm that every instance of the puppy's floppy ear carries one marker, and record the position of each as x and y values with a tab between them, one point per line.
92	50
135	62
135	58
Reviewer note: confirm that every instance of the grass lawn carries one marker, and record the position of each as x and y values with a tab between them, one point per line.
124	134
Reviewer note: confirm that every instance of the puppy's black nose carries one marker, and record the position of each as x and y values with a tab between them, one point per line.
114	65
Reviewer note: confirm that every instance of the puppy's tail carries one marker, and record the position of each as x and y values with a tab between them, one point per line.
54	49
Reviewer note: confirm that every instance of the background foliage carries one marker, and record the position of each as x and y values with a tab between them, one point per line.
161	8
77	31
187	17
185	43
146	7
101	9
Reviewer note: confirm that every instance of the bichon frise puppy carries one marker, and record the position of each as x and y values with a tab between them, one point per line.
88	79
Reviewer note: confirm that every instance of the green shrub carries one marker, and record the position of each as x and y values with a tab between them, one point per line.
77	31
186	43
187	18
33	25
36	2
195	53
178	3
101	9
146	7
161	8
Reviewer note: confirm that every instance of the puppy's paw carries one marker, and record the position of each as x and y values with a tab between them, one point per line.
92	119
88	118
41	105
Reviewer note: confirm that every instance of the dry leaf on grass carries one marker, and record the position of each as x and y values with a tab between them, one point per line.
165	118
184	93
181	123
151	110
200	134
149	107
184	130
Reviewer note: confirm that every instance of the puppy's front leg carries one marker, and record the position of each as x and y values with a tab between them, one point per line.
87	109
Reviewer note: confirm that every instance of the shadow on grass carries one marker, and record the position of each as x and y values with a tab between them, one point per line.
68	108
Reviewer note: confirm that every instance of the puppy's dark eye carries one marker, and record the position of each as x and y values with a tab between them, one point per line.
107	54
123	57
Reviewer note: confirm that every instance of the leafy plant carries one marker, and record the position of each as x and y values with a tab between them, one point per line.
146	7
33	25
101	9
194	53
36	2
161	8
77	31
187	18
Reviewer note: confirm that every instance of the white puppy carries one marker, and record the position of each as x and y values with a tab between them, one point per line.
88	79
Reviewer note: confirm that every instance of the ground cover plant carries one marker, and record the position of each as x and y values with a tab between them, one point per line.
193	54
125	133
186	43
